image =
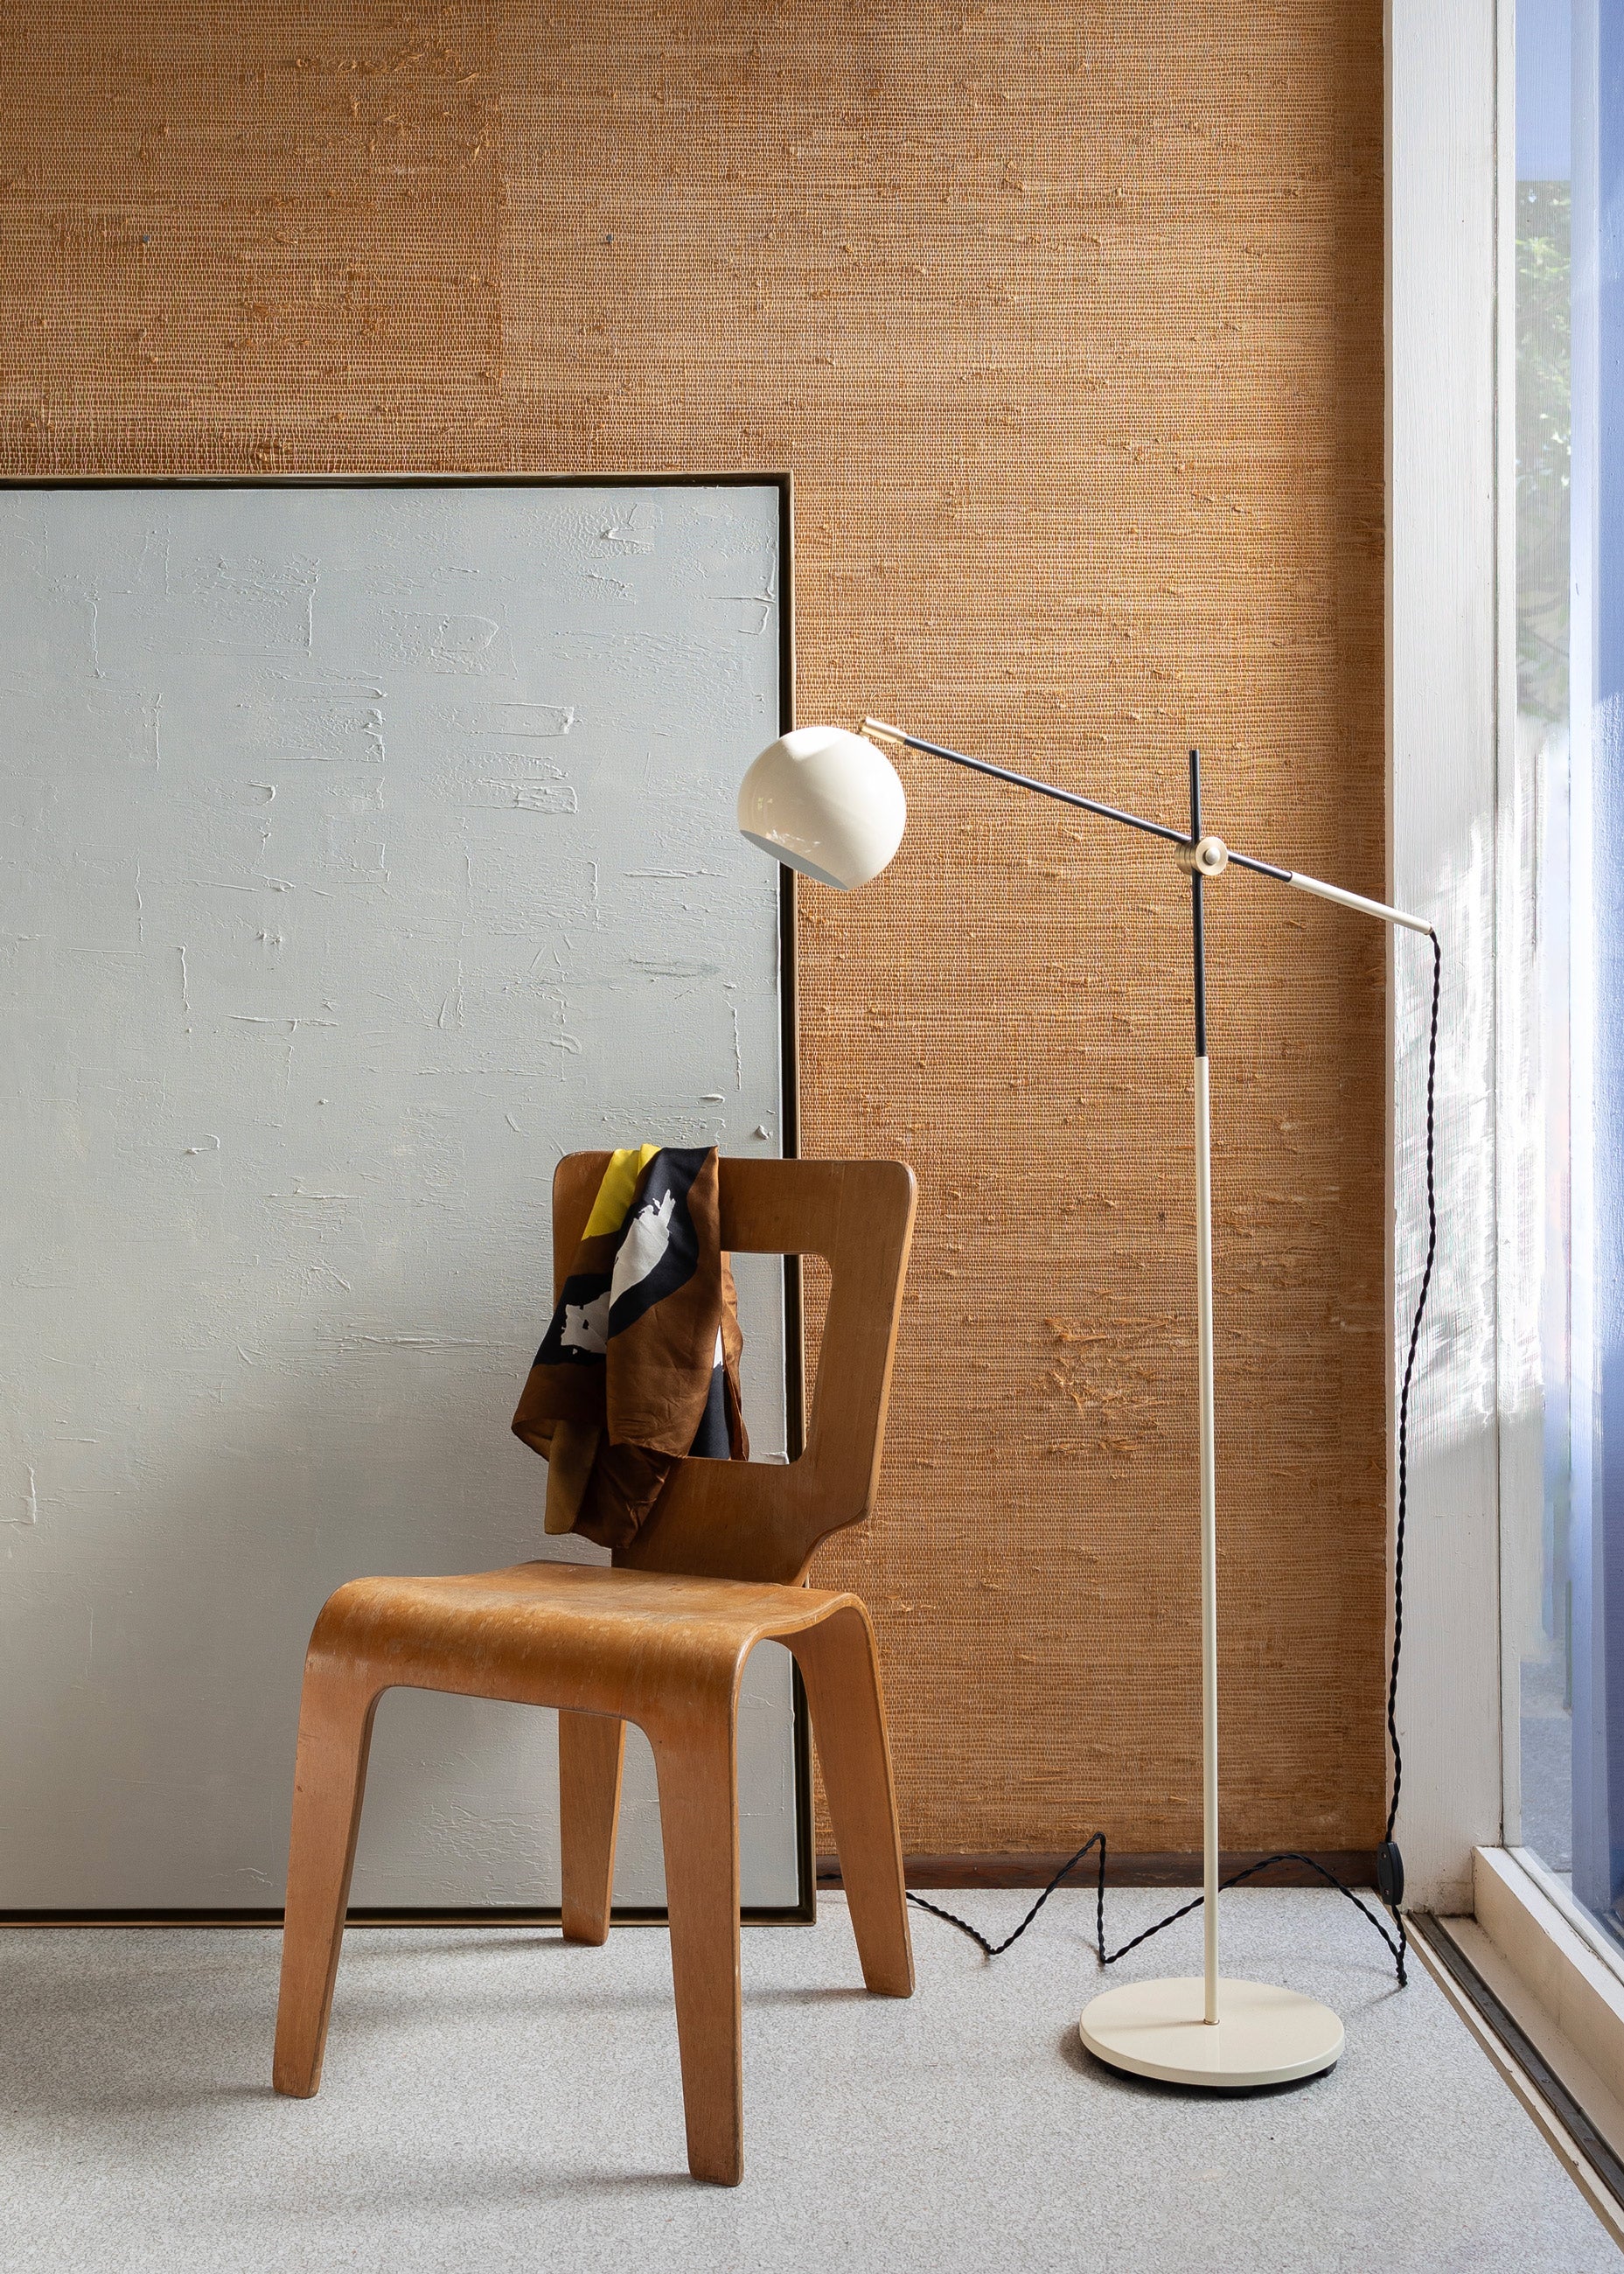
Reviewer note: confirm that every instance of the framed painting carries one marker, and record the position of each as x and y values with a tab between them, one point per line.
369	845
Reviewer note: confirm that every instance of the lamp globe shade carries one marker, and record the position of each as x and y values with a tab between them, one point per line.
826	802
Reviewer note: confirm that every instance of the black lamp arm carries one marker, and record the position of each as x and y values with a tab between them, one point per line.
1205	856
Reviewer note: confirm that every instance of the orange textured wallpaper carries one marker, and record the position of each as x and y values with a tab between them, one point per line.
1068	321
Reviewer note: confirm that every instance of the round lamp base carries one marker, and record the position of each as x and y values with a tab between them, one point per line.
1262	2036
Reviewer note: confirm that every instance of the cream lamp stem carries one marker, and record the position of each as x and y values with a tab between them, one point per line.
1209	1448
1234	2034
1209	1534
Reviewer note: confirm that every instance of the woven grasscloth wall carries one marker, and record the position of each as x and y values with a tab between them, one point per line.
1068	321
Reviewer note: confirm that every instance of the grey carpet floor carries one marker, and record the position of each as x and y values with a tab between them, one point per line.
495	2098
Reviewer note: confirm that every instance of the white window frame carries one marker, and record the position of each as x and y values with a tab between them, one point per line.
1451	187
1450	665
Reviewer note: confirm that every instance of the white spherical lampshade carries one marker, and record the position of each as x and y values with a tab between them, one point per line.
826	802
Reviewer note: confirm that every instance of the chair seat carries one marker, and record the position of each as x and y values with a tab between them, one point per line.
585	1636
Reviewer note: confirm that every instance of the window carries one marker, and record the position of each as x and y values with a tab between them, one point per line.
1565	1538
1537	1455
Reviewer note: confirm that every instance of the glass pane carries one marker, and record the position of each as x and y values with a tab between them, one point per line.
1564	946
1596	999
1537	1485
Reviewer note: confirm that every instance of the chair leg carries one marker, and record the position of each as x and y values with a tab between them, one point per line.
838	1666
336	1734
591	1755
699	1822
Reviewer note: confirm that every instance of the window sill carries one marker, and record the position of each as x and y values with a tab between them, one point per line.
1552	1970
1560	1958
1606	1947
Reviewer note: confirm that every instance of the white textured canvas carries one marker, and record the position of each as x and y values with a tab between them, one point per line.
366	849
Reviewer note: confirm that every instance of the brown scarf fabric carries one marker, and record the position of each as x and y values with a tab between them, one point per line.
640	1365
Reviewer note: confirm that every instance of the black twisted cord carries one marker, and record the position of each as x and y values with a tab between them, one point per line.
1109	1957
1400	1948
995	1949
1404	1429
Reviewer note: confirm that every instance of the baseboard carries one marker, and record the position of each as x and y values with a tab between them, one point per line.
1355	1867
487	1915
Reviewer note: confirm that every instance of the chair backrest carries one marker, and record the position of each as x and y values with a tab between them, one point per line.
762	1520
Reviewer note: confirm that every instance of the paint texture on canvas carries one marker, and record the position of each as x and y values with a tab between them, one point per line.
354	875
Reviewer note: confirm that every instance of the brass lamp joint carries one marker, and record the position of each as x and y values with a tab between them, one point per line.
1209	857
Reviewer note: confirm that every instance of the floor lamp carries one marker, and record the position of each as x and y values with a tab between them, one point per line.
831	804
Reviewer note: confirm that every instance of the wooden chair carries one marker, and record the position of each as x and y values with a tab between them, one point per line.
659	1639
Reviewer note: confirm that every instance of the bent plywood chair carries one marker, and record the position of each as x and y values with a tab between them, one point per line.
660	1639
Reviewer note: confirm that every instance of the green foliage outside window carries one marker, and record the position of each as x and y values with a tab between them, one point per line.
1544	446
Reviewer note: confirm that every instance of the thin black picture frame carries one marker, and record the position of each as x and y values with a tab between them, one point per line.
803	1911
